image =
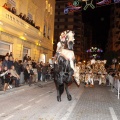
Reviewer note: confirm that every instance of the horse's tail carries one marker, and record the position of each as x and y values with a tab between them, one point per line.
61	89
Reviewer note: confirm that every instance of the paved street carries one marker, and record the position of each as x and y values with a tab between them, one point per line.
39	103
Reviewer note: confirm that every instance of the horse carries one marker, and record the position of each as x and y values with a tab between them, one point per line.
65	65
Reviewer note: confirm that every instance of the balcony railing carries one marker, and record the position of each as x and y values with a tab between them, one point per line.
18	25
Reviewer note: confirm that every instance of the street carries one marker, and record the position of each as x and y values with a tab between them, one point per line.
38	102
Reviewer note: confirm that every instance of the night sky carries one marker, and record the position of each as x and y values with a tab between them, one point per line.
99	19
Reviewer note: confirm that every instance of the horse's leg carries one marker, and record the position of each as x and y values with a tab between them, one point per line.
58	94
67	92
57	88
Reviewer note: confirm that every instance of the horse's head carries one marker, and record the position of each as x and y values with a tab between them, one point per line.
67	37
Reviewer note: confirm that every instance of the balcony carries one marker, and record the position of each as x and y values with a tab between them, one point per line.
14	25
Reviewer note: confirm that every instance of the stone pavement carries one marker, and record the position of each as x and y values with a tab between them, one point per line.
98	103
38	102
22	86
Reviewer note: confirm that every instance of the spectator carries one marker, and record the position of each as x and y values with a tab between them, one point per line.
25	57
5	62
29	58
25	64
33	64
0	65
24	17
10	62
20	15
11	54
6	77
7	54
17	67
32	75
28	75
1	68
13	10
44	72
27	19
37	27
38	66
15	76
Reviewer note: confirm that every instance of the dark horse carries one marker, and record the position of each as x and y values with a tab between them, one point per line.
63	71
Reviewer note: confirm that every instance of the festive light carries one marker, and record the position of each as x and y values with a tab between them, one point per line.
77	5
94	56
94	49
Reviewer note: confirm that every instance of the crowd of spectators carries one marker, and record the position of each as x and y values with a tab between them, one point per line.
10	71
21	15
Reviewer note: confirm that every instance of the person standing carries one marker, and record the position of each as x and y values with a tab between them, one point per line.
5	62
38	66
15	76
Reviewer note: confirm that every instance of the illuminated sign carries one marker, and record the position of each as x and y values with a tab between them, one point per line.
72	7
77	4
106	2
89	3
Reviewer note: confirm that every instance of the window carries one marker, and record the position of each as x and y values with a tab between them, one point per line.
26	51
11	3
5	48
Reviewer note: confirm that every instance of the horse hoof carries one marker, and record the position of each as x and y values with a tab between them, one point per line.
69	97
58	99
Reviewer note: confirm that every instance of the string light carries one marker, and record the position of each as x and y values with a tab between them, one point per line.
76	5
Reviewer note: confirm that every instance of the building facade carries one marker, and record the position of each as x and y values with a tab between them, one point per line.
114	32
20	37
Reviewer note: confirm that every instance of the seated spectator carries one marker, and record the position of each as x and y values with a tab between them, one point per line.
20	15
6	78
13	10
24	17
15	76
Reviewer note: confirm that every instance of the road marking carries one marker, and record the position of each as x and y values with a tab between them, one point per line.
2	114
18	106
112	112
9	117
42	98
44	94
26	108
38	101
19	90
31	100
70	109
